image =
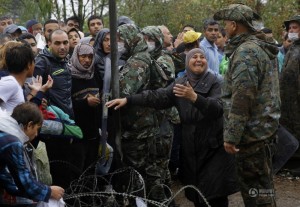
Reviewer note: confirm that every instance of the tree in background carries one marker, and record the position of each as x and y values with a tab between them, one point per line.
172	13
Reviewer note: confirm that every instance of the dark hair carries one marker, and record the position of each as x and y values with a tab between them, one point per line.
266	30
222	31
26	36
192	45
208	22
49	22
57	31
27	112
73	18
4	17
3	37
75	30
188	25
92	18
18	58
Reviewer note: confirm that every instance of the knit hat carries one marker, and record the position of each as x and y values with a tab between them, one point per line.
191	36
12	29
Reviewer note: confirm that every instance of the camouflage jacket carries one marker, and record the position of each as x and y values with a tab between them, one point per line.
251	90
289	90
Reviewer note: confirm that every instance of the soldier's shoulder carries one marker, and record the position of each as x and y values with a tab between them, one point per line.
143	57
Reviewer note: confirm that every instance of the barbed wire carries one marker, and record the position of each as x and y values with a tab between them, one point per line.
123	187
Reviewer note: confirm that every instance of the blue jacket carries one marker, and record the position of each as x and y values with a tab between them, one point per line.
15	177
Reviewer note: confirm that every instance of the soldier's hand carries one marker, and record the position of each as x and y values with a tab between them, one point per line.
230	148
118	103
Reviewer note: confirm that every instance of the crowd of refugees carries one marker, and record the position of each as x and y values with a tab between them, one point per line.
202	107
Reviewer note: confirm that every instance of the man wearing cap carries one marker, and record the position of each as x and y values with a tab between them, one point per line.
13	30
34	27
251	104
289	81
211	31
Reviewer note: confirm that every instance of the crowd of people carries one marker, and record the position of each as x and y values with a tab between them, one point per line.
202	107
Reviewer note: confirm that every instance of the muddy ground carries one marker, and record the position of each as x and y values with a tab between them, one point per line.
287	189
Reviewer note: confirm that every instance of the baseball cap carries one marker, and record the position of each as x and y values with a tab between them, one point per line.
191	36
12	29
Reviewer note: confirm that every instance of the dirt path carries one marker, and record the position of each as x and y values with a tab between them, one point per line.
287	193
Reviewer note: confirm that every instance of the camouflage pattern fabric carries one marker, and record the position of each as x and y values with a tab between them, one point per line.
293	18
257	188
251	103
139	124
289	92
162	73
251	113
251	91
154	33
238	13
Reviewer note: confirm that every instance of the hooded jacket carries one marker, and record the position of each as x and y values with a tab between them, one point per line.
100	54
60	93
251	90
16	171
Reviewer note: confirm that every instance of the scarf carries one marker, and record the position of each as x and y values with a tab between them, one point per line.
77	70
193	78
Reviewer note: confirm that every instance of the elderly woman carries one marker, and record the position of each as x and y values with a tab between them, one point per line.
86	104
205	163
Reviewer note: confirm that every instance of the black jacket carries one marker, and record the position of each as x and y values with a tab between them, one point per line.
205	163
60	93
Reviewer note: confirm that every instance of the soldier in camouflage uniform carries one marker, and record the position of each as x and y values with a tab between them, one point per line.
289	82
163	72
251	104
139	125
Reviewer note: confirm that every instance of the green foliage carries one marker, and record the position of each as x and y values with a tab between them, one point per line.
172	13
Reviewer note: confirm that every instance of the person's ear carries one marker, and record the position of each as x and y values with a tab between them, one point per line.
234	25
29	124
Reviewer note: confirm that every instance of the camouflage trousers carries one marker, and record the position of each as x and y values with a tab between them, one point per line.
141	155
163	147
254	166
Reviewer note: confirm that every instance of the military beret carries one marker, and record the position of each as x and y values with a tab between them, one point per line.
238	13
293	18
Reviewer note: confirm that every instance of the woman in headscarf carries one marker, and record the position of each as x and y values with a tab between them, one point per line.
196	95
86	104
102	49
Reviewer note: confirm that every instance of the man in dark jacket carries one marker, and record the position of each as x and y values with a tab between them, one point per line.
53	61
251	104
289	81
